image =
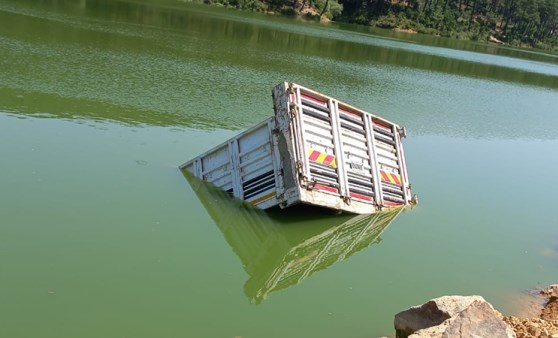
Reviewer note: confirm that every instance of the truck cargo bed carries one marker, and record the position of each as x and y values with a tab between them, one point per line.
315	150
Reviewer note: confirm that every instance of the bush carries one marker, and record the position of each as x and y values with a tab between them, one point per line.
252	5
334	8
288	11
388	21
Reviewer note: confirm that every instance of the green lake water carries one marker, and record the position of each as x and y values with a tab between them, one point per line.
102	236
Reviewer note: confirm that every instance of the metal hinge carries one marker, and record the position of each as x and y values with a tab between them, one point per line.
310	184
293	110
300	166
290	89
402	132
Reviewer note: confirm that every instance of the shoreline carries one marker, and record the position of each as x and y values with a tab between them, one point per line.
545	324
390	22
473	316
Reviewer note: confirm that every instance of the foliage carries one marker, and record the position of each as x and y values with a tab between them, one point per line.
252	5
531	22
515	22
329	8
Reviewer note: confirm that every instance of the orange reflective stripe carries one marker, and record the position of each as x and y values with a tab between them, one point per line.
322	158
390	178
396	179
385	176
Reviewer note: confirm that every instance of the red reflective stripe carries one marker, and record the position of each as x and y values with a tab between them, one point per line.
309	98
314	156
325	188
349	113
381	125
396	179
392	204
384	176
362	197
329	159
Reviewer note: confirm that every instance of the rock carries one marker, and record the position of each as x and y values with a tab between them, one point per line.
535	331
405	30
452	316
478	320
551	291
495	40
550	310
431	313
532	328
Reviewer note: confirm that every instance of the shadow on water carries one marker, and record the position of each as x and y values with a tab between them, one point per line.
281	248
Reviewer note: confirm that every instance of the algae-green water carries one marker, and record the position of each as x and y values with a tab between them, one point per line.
102	236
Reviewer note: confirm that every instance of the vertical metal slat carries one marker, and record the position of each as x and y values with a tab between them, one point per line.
373	158
235	169
339	153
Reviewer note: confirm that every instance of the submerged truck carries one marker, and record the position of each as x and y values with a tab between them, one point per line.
315	150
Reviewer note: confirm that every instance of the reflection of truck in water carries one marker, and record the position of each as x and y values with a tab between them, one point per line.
279	249
316	150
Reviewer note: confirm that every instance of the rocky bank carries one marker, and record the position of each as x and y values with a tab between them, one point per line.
473	316
546	325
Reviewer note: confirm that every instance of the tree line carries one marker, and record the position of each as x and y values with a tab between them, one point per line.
515	22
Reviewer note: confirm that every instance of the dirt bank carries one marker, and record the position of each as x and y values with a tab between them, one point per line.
543	326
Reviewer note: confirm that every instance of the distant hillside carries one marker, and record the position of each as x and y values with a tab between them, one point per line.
526	23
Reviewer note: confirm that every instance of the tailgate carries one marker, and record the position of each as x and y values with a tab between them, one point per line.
348	152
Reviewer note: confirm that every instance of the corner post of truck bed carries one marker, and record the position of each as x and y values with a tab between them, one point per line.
285	144
276	160
198	168
300	140
235	168
402	132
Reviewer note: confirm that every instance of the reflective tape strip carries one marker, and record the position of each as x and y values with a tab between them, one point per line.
390	178
263	198
326	188
360	196
313	155
322	158
317	101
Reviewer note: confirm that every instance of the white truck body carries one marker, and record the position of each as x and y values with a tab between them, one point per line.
315	150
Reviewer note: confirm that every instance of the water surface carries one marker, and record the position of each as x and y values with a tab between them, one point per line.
101	235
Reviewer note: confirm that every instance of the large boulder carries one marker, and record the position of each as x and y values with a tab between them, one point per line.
452	316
